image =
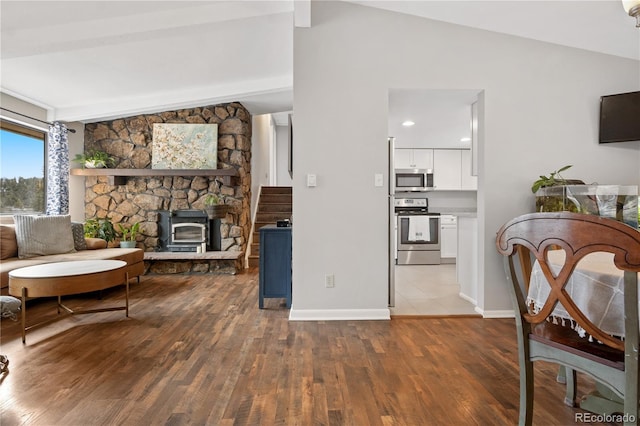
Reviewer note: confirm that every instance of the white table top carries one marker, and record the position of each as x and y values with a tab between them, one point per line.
67	269
594	277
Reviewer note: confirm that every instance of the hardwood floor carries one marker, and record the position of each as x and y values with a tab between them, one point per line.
196	350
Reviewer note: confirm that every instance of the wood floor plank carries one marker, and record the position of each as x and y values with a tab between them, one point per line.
196	350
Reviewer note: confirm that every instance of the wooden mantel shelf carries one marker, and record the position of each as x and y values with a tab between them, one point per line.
119	176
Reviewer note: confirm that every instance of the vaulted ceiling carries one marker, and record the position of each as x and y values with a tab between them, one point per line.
93	60
88	60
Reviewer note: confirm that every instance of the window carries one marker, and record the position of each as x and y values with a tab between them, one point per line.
22	169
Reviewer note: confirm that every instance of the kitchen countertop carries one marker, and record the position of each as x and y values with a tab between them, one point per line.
456	211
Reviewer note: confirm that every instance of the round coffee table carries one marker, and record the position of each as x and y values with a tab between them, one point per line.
66	278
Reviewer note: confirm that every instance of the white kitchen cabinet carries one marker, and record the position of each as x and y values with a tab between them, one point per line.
452	170
468	181
417	158
448	238
447	169
403	158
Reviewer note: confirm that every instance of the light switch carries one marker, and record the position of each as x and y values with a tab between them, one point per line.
311	180
378	179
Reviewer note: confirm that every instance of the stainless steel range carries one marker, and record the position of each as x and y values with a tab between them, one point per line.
418	232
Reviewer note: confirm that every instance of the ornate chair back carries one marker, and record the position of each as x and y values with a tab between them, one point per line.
611	360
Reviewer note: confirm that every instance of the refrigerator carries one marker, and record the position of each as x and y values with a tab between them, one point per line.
392	225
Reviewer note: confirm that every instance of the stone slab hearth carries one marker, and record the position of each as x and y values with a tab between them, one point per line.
165	255
221	262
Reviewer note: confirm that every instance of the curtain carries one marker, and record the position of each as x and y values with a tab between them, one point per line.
57	170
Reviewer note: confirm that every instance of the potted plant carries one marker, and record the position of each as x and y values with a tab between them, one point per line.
95	159
554	179
100	228
548	197
215	207
129	235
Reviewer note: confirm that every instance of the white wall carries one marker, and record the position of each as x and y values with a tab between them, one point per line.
76	183
76	146
282	156
261	140
540	113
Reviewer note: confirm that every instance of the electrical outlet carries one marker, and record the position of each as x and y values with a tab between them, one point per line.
329	281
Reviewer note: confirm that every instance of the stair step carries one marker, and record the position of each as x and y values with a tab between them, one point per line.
275	203
272	217
280	207
254	261
276	190
260	223
276	199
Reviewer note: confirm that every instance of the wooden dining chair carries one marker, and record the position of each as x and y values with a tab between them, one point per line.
610	360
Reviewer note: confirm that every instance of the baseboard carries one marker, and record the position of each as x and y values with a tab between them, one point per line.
496	314
339	314
369	314
468	299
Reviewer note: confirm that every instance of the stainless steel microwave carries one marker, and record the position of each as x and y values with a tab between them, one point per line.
413	180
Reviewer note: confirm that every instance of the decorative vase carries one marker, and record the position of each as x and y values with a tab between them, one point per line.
94	164
127	244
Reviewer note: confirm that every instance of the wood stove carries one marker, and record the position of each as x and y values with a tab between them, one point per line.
187	231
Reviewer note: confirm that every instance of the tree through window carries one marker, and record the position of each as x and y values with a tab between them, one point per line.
22	170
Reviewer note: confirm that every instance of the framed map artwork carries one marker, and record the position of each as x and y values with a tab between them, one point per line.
184	146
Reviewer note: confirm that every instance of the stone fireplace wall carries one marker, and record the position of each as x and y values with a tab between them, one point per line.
129	141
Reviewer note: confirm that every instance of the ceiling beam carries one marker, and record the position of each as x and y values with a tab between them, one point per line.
302	13
179	99
98	31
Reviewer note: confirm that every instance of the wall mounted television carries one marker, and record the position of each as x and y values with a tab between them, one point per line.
620	117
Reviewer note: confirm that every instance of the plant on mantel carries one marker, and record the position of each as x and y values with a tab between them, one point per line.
95	159
215	207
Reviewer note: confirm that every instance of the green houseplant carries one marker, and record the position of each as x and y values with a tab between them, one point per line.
129	235
100	228
553	179
95	159
551	192
215	207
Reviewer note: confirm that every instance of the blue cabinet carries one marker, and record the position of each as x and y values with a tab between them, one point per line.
275	264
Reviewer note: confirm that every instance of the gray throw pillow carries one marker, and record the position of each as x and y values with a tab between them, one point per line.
77	230
43	235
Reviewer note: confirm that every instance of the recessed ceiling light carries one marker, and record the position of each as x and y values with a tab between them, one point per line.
408	123
465	139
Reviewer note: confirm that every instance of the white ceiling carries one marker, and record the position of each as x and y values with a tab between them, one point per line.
596	25
441	117
95	60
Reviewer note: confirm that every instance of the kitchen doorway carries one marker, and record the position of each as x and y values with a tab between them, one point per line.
435	132
429	290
